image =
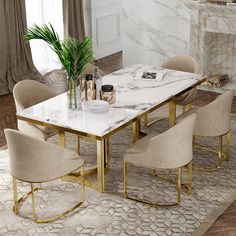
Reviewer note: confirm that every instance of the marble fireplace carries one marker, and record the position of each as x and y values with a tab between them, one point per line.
213	40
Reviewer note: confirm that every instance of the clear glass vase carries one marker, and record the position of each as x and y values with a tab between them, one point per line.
74	96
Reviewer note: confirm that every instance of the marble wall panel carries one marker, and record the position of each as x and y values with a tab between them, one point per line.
154	30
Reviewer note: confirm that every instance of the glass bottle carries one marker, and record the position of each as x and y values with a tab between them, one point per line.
98	81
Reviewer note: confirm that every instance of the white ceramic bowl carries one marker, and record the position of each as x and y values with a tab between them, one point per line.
96	106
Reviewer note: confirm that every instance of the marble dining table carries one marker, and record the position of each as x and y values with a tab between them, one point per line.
135	98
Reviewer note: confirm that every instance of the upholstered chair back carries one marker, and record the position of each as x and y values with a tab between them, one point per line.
214	119
34	160
182	63
173	148
27	93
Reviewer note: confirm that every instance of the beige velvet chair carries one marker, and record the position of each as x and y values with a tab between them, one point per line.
169	150
213	120
187	64
35	161
27	93
181	63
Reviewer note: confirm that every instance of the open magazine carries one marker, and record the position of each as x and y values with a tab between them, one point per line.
152	75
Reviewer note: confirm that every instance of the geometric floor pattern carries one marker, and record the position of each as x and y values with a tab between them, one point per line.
109	213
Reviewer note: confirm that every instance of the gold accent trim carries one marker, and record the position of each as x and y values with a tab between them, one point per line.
34	214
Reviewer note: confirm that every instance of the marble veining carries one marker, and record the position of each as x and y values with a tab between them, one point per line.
213	38
132	99
154	30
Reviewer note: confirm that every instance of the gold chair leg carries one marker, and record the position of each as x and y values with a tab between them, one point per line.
78	144
179	185
16	204
82	189
228	143
145	119
125	179
219	153
33	202
190	173
107	149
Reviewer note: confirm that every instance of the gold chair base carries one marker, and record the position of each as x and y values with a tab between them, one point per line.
172	181
31	193
153	204
219	152
177	183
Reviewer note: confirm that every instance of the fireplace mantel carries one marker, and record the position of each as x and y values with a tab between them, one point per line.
209	23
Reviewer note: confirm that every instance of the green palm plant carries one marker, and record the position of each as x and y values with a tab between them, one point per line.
74	56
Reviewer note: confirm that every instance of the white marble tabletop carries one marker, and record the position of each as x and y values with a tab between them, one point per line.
133	97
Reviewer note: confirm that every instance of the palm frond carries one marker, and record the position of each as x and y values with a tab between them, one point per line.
73	55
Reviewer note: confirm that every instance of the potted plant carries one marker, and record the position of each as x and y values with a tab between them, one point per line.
74	56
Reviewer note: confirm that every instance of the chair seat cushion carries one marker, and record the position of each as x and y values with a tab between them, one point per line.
189	112
141	144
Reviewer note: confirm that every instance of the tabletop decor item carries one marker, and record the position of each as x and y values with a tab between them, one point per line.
151	75
73	55
88	88
96	106
108	93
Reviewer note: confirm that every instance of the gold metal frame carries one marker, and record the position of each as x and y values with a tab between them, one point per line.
33	190
219	152
178	184
103	141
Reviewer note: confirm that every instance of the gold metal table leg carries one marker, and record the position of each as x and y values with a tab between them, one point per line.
172	113
62	139
145	119
78	144
107	152
136	130
100	165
